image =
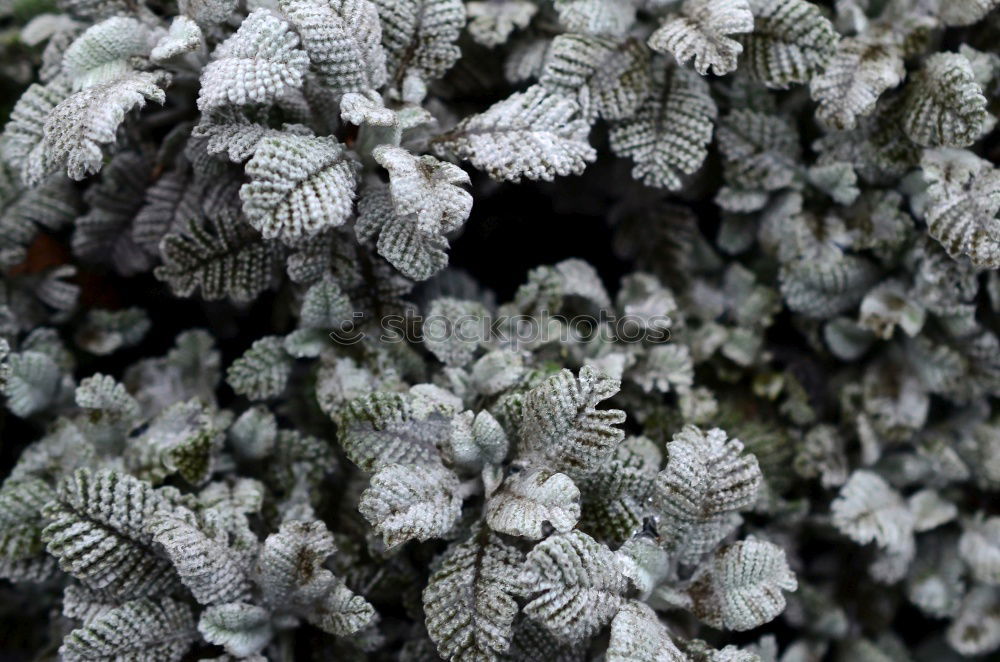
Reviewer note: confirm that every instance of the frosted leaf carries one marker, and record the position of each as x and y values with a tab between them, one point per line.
532	641
791	41
868	509
664	368
104	233
262	371
107	398
965	12
206	566
291	575
299	186
608	79
21	142
701	32
532	134
84	605
45	27
944	105
596	17
453	329
169	203
838	180
242	629
563	429
545	290
573	585
760	154
50	206
821	289
476	441
220	255
822	454
106	331
706	481
257	64
207	12
419	38
324	306
144	630
976	628
615	498
963	197
342	613
103	52
930	510
741	588
429	189
935	580
861	69
526	59
645	299
184	36
98	533
470	598
644	562
289	567
979	547
416	253
497	371
491	22
254	433
343	39
21	522
411	502
887	306
57	454
380	429
76	129
637	635
366	108
32	382
529	499
238	132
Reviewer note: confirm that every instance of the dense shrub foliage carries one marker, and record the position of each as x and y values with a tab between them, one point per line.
251	412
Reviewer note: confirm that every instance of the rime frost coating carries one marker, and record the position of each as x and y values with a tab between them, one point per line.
797	427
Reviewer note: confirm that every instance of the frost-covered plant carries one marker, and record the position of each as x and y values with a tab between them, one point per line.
251	412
